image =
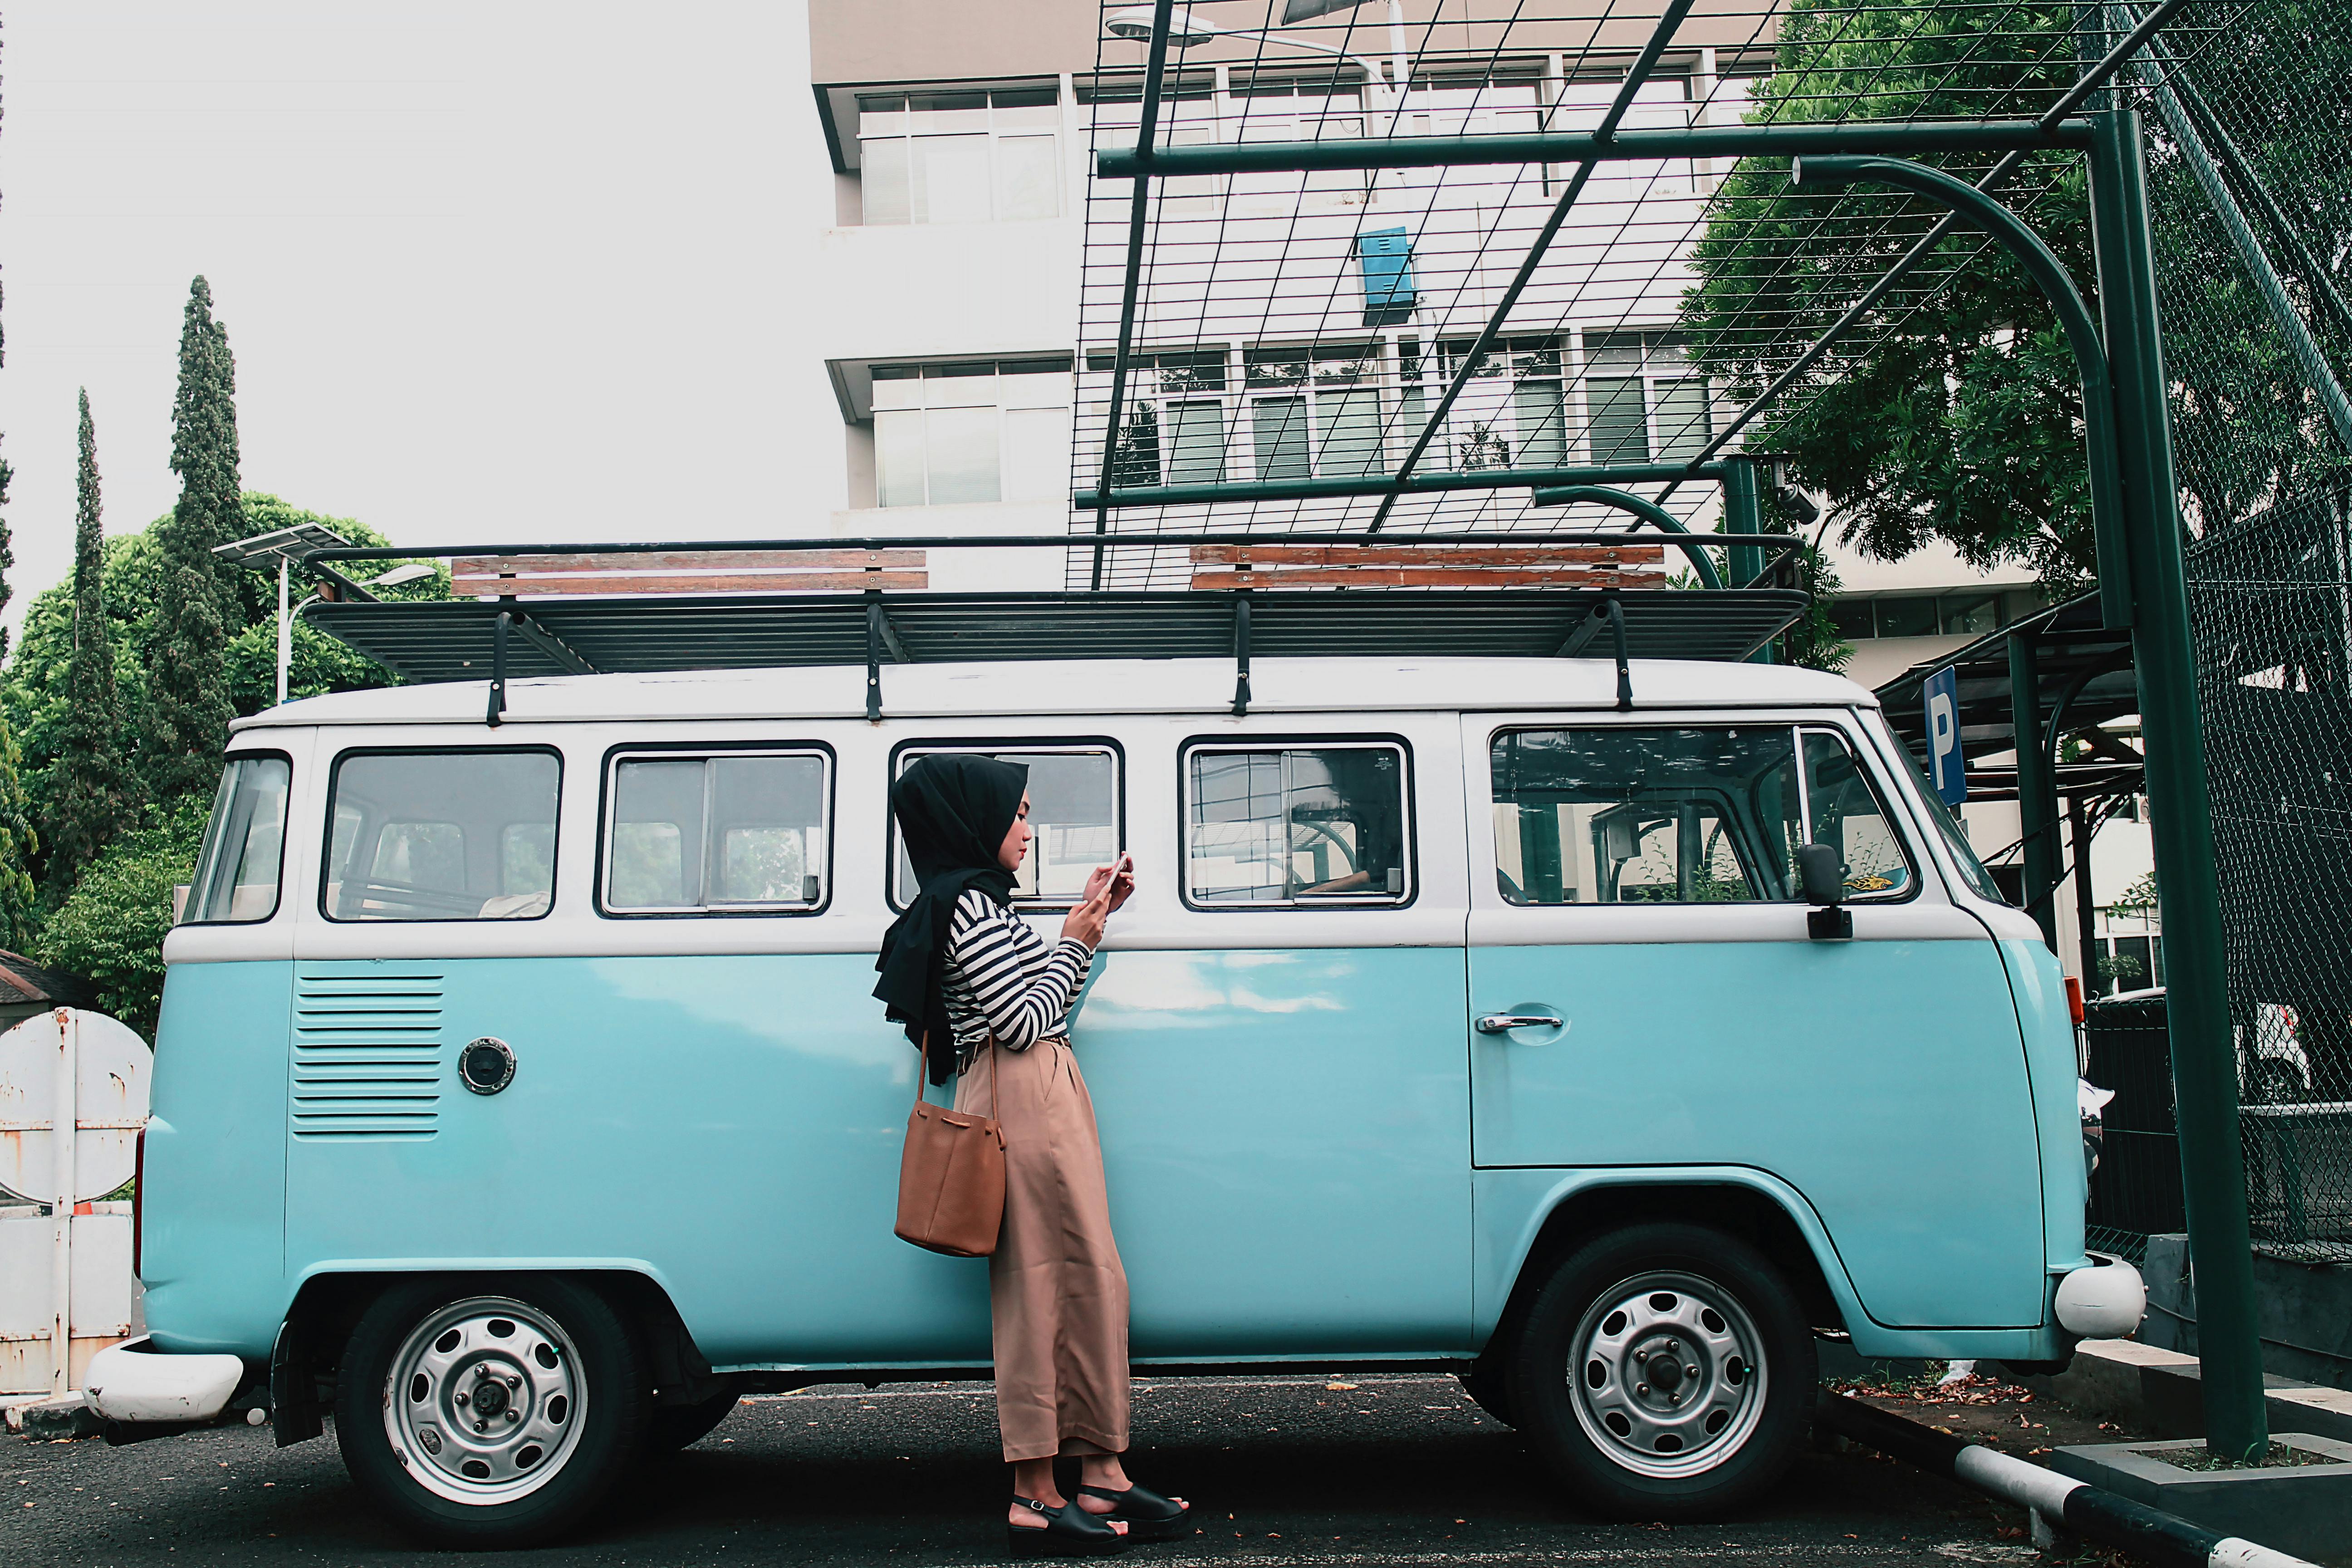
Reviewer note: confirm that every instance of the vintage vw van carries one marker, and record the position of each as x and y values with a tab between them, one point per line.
520	1100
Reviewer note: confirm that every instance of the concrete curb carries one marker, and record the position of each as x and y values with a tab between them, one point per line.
48	1420
2159	1390
2061	1505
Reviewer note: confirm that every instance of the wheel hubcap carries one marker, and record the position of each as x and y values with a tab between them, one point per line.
484	1401
1667	1377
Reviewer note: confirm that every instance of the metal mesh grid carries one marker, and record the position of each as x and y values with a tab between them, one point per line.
1688	310
2271	601
2251	206
1263	347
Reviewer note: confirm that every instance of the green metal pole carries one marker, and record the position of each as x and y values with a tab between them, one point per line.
1743	513
2204	1053
1586	146
2037	787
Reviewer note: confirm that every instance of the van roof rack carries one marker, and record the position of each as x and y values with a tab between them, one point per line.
1561	607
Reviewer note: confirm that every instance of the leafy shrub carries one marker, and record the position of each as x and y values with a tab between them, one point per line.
111	929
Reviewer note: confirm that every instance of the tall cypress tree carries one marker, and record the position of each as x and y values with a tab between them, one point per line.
18	844
188	706
95	794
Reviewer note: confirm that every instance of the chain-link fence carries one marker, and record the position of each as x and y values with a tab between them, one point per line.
2252	197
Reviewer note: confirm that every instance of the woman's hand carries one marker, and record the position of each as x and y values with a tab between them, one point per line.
1085	923
1118	878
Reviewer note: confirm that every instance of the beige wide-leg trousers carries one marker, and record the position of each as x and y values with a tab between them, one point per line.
1056	1291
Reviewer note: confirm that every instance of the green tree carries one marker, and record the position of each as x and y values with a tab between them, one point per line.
197	606
110	928
1965	427
37	691
1966	423
96	792
19	845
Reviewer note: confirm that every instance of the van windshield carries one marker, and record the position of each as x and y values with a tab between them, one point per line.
237	873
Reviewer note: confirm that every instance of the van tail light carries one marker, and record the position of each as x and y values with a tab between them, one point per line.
138	1199
2075	998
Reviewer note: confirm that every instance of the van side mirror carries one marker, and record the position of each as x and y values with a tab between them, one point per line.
1820	878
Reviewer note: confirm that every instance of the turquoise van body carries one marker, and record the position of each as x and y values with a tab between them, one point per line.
1320	1146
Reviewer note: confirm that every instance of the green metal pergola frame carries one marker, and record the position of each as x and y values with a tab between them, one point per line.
2135	509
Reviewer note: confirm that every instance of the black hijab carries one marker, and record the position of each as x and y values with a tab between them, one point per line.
953	814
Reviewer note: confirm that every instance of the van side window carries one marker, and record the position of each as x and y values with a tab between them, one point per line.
1613	816
1073	795
1296	825
732	832
1844	813
236	871
441	836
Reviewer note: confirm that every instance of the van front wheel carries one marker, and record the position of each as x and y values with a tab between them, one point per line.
1665	1371
489	1415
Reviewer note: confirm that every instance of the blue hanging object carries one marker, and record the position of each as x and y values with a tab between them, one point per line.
1386	254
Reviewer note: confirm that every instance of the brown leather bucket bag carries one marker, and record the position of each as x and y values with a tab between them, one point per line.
952	1175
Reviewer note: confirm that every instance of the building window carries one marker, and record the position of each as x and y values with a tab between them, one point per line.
1976	613
960	157
1512	413
1643	403
986	430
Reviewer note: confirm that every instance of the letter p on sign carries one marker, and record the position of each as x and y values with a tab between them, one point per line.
1949	769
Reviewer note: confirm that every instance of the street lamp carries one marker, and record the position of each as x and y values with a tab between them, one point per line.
1186	27
284	546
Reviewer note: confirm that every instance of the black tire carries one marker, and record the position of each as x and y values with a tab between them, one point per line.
671	1427
1647	1300
566	1417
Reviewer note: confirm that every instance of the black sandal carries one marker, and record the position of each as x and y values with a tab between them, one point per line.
1147	1515
1070	1531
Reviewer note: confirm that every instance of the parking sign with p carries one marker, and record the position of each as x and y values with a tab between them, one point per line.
1941	692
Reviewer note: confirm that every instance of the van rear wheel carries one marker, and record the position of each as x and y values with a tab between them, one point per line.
1664	1371
490	1414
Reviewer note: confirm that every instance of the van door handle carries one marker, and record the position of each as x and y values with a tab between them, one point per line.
1500	1022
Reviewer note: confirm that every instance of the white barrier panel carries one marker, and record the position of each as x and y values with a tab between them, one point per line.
66	1285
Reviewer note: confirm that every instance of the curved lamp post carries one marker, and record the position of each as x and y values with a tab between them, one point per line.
2135	520
1648	511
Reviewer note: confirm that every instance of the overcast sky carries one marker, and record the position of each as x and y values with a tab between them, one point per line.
493	270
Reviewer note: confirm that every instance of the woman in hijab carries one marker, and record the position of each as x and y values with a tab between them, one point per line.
971	981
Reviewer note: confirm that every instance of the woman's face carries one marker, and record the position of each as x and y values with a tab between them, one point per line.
1015	848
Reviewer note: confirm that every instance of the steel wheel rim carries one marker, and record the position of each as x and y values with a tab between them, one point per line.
1628	1338
484	1401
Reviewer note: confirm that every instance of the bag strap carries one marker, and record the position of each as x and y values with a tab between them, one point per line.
923	1063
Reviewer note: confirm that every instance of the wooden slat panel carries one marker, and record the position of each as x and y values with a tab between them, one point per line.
1427	577
760	583
1261	556
685	561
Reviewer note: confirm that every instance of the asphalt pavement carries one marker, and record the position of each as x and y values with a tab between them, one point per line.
1357	1470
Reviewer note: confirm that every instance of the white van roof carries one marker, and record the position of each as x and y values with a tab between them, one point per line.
1082	687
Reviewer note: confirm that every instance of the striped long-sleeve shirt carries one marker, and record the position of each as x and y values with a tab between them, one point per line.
1002	979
